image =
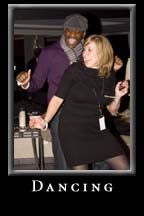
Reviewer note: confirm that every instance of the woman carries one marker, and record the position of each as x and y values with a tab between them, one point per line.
85	89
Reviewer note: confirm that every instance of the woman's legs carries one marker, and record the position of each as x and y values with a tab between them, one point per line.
119	162
80	167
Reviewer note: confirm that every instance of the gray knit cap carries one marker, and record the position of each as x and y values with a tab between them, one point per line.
76	21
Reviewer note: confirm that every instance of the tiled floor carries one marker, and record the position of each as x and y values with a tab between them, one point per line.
29	164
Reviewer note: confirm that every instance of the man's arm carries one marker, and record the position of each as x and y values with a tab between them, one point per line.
40	73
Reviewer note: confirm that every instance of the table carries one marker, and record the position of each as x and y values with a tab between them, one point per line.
34	134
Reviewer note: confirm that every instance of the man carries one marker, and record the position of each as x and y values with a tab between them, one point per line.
51	65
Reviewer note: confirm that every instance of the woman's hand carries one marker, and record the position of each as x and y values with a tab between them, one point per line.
121	88
37	122
118	63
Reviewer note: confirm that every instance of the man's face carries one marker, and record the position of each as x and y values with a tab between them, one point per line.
73	37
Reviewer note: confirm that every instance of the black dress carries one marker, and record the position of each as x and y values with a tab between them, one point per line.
80	136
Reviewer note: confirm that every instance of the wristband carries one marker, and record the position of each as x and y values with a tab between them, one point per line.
27	86
46	126
117	98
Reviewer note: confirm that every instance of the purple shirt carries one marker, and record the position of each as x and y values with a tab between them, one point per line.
50	67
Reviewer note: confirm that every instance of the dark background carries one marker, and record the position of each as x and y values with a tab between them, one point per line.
127	185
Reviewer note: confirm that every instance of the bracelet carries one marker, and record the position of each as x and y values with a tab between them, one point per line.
116	98
46	126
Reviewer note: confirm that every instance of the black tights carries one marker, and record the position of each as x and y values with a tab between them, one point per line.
80	167
117	163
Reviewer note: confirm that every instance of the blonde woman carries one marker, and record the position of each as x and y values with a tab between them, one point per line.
85	89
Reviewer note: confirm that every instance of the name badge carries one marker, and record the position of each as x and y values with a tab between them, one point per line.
102	123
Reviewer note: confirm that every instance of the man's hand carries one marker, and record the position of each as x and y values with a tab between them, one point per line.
24	77
118	63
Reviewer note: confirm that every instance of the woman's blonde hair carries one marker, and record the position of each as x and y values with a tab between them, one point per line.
105	54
